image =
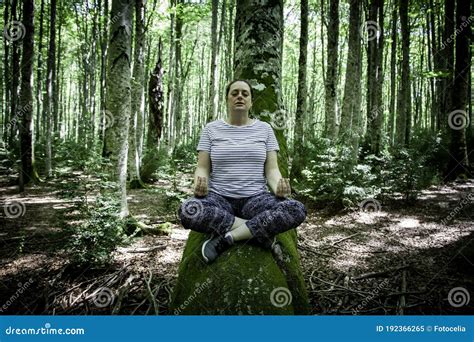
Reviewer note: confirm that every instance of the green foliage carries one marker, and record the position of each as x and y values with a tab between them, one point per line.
99	234
330	176
406	171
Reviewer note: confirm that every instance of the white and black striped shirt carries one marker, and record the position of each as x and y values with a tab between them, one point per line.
238	155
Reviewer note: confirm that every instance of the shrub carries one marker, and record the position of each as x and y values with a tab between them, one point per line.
98	236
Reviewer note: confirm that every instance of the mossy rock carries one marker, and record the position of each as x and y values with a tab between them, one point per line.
245	280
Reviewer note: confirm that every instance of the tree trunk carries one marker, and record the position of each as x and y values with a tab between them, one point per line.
350	128
39	93
301	105
375	112
6	74
404	96
445	88
211	111
393	61
458	117
103	68
331	81
155	119
263	66
119	97
49	100
138	83
15	71
27	172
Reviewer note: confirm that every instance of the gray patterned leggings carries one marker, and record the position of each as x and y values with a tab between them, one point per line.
267	215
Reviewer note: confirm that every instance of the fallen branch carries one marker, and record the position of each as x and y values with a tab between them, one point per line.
380	273
343	239
145	249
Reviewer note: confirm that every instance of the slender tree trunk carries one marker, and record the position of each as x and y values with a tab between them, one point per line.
155	119
331	81
6	75
375	75
350	128
404	98
171	77
445	88
393	60
301	104
15	73
458	117
118	96
49	100
211	113
27	172
103	70
262	26
39	94
138	83
178	77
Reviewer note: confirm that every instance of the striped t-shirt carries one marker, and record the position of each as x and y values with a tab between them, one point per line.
238	155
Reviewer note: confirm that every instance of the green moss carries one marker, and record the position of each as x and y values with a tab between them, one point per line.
244	280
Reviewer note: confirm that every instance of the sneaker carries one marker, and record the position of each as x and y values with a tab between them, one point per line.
214	246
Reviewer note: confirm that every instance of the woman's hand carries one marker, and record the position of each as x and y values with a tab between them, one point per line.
283	188
200	189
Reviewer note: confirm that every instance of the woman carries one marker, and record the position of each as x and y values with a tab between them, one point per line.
237	157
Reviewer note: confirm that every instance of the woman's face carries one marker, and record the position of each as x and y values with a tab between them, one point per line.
239	97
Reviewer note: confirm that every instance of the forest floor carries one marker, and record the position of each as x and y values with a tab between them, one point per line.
401	259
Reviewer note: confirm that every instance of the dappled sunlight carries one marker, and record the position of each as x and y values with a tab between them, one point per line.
409	223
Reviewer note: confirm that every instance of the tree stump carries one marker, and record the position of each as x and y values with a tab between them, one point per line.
244	280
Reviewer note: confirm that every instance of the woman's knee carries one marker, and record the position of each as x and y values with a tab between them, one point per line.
190	212
297	210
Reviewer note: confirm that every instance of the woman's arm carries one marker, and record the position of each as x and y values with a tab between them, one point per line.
201	175
279	186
